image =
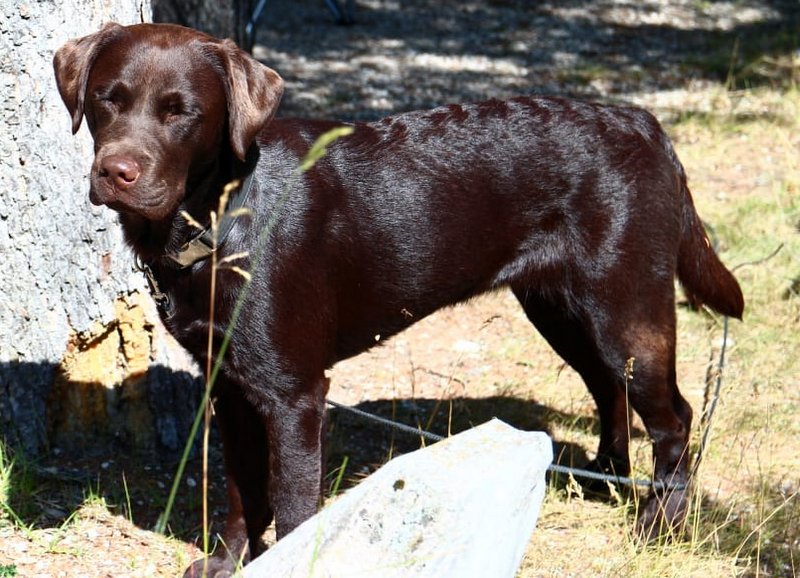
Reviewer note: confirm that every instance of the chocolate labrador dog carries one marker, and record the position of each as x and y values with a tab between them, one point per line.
582	210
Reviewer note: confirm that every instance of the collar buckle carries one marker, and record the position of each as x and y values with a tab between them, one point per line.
202	245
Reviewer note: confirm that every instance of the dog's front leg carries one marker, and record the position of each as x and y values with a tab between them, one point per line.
244	442
295	430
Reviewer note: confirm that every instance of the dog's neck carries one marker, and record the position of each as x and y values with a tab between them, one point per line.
175	241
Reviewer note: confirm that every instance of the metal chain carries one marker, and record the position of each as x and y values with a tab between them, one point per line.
555	468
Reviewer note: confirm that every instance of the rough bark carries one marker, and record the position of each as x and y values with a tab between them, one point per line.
83	359
223	19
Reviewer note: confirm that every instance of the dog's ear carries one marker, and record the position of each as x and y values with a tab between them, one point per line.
253	91
73	62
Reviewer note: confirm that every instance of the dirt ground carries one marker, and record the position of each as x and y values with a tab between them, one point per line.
685	60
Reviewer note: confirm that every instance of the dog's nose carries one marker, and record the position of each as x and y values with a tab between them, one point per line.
120	170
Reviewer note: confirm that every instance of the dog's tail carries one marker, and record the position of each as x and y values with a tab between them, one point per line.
705	280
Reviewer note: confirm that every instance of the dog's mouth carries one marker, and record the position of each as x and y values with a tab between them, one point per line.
126	181
153	205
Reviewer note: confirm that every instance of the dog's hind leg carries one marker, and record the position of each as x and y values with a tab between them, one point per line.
623	346
648	333
568	334
639	332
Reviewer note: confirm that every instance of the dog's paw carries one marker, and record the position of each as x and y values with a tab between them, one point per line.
663	516
211	567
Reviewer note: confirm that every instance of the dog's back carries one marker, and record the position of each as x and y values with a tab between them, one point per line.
428	208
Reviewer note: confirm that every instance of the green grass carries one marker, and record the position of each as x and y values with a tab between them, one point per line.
6	468
17	487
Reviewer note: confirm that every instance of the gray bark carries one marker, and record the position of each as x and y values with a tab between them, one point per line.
223	18
68	290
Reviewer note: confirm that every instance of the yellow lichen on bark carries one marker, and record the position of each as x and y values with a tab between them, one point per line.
98	387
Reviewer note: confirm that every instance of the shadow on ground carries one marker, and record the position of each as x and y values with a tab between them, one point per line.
64	442
45	492
367	445
417	53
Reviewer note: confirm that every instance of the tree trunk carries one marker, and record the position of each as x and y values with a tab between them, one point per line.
83	359
222	18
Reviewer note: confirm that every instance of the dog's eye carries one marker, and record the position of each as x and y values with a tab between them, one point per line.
111	99
172	109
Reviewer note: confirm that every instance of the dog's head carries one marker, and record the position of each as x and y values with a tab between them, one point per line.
160	102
